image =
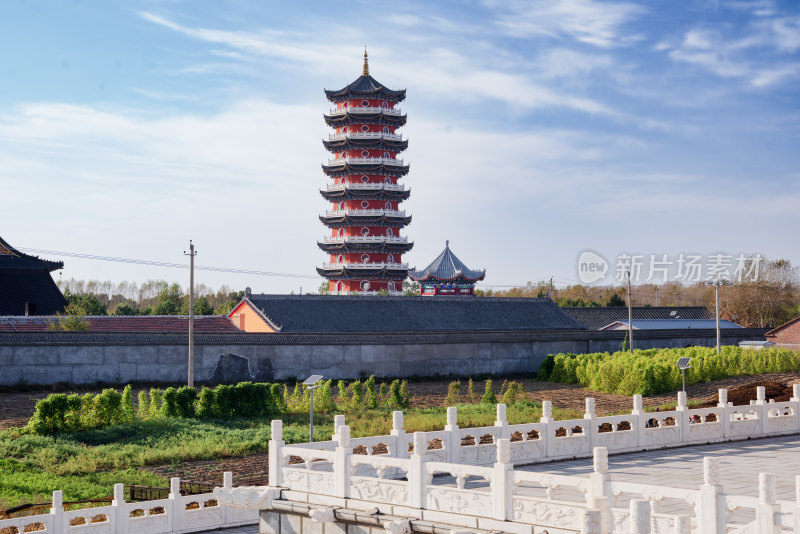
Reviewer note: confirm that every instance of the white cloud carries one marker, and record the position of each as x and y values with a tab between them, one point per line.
595	23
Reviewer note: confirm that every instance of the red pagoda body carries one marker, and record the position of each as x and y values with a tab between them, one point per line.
364	243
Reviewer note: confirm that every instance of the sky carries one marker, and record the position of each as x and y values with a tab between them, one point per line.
537	131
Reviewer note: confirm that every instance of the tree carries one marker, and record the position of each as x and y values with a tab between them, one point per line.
168	301
616	300
126	309
766	302
410	289
88	302
201	306
324	288
72	320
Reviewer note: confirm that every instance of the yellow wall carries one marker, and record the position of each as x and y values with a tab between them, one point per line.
246	318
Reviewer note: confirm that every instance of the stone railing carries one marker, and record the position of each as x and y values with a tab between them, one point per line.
366	161
553	440
177	513
367	186
362	212
365	135
365	109
366	239
365	265
399	469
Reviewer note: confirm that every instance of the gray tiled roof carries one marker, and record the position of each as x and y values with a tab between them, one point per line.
329	313
597	318
366	85
446	266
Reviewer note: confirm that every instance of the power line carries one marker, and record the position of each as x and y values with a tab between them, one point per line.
164	263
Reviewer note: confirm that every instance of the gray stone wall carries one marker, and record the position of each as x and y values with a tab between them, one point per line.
44	359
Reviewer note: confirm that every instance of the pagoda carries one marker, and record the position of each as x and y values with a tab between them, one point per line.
447	275
364	243
26	286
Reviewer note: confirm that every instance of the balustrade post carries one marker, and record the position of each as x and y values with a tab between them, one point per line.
796	513
591	523
227	483
589	426
796	400
636	416
178	511
338	420
342	464
453	441
120	510
767	505
548	429
711	508
599	495
763	409
57	511
418	474
683	416
724	413
501	422
502	485
682	524
640	516
276	443
400	450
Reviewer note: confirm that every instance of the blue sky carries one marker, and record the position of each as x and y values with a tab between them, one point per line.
537	130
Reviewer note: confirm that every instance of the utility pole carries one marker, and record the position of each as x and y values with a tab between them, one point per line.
630	313
191	255
716	298
550	291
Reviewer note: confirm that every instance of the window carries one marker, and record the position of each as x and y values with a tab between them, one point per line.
365	103
384	105
341	232
344	130
386	155
339	287
365	153
389	232
385	129
365	128
390	258
365	179
365	258
347	104
364	286
387	180
388	205
391	286
340	259
364	204
365	231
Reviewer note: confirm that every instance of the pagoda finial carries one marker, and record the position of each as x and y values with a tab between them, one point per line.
365	70
447	244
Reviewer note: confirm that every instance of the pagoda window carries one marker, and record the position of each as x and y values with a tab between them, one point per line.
364	204
341	232
365	231
385	129
384	105
344	130
339	287
388	205
365	128
365	153
340	259
365	258
386	155
390	258
391	284
387	180
365	103
346	104
365	179
389	232
365	285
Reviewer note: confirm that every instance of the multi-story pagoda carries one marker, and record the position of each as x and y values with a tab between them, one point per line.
365	219
447	275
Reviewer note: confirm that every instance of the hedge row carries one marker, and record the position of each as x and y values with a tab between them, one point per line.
72	413
654	371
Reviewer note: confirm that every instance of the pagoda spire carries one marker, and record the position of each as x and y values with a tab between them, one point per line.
365	70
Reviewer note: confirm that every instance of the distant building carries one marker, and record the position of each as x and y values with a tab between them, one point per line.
385	314
756	345
786	335
447	275
364	244
26	287
595	318
672	324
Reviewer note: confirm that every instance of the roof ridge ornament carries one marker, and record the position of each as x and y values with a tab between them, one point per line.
365	70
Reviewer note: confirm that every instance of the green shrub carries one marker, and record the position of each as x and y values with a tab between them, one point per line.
277	399
155	402
372	396
206	404
405	396
395	397
127	404
144	405
488	395
654	371
383	394
472	398
453	393
106	409
184	401
357	401
342	398
323	401
169	406
223	401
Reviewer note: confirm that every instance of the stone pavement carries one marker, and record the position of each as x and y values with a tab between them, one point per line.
682	467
